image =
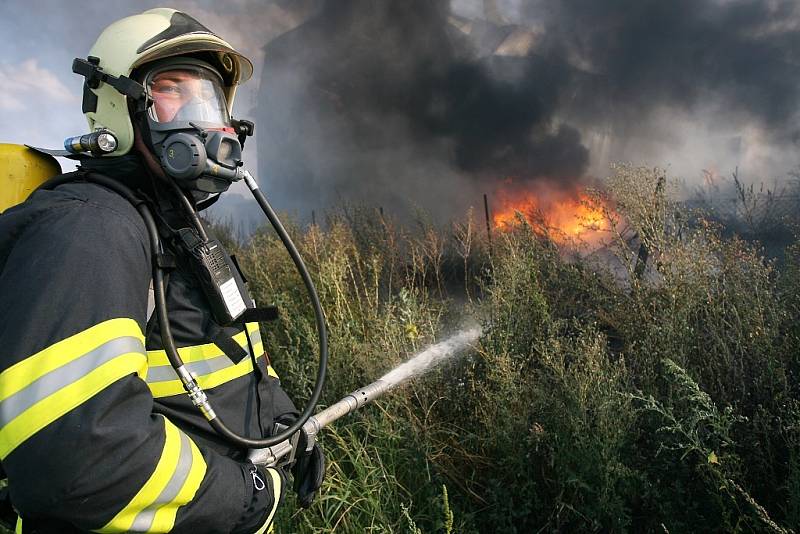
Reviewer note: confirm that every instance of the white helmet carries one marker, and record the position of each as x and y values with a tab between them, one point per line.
134	41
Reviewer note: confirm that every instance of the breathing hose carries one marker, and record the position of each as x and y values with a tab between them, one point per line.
198	396
195	392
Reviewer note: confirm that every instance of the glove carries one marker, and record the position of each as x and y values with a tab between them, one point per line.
308	471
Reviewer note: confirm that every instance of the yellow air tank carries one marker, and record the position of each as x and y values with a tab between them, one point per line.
21	171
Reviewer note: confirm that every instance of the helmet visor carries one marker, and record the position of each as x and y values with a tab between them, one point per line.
187	93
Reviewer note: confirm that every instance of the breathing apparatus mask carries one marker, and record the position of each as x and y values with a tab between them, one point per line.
187	125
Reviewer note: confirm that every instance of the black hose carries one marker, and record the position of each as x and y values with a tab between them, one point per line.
216	423
189	209
321	332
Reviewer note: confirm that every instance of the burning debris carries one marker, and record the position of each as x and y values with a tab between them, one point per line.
571	215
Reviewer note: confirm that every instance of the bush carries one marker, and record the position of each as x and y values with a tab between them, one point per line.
627	396
655	392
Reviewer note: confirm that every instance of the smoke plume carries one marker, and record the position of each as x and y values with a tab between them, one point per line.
434	102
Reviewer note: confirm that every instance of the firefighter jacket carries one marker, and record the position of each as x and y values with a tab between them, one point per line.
96	432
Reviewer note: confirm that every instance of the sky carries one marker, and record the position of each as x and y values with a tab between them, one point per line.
432	102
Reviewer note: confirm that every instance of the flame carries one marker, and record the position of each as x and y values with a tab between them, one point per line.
565	215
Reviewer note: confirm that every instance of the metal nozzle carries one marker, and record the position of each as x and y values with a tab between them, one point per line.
352	402
272	456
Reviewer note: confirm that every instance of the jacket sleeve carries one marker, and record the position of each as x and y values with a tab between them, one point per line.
78	437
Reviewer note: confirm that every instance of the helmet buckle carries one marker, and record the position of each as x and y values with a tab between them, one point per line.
90	69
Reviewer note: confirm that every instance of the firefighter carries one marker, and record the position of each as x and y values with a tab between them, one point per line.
96	430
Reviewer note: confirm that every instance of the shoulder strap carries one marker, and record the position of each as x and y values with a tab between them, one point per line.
226	343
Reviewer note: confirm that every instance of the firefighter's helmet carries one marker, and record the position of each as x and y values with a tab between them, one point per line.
132	42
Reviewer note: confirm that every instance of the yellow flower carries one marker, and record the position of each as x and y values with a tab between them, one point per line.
411	331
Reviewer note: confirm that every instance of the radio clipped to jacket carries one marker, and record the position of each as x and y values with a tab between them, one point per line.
216	278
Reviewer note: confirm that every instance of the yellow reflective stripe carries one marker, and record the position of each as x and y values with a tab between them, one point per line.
21	374
276	490
57	404
18	528
194	353
34	397
174	483
258	345
214	379
255	338
208	362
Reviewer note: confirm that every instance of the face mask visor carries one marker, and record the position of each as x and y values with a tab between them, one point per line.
187	93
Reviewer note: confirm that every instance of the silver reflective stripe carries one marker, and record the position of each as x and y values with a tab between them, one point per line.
65	375
255	337
164	373
151	301
145	518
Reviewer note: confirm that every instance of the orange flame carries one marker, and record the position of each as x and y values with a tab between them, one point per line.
566	215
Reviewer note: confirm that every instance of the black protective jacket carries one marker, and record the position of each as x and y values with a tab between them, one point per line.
96	432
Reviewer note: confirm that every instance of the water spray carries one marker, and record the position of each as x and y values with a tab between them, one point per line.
422	362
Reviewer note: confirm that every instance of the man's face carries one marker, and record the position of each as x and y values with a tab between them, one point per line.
172	90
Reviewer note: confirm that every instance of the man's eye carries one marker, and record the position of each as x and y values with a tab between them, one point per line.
168	89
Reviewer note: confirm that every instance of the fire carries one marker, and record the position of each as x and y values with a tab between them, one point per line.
566	215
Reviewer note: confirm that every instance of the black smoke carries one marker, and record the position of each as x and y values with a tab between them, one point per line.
389	102
649	53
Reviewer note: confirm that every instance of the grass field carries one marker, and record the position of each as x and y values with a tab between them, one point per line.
603	396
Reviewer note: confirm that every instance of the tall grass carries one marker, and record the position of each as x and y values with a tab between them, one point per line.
601	397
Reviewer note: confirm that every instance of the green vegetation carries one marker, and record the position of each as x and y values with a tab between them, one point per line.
602	396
